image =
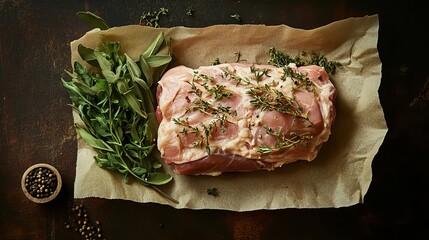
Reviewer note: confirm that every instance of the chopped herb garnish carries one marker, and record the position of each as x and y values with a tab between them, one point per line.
190	11
152	18
215	62
236	17
239	55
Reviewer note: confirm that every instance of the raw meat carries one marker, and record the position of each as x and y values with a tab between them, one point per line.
242	117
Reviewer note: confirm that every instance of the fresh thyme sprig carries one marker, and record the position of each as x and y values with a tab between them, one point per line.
152	18
203	131
218	90
300	80
219	113
268	98
230	74
280	59
284	142
259	73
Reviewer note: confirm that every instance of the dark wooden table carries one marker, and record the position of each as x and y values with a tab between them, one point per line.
37	126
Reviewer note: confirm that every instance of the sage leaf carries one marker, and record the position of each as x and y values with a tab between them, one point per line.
146	71
93	20
117	108
135	104
139	170
84	88
151	128
87	54
158	60
157	165
154	46
101	162
133	68
106	67
157	178
92	141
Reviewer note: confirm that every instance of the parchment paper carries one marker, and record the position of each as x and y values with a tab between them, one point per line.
339	176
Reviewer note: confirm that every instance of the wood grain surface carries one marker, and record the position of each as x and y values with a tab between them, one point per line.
36	124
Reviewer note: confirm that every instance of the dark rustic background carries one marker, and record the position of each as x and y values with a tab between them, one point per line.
36	124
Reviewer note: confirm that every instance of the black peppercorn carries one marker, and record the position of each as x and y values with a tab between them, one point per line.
41	182
81	221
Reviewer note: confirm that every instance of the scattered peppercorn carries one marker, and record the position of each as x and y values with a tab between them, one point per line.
81	223
213	192
41	182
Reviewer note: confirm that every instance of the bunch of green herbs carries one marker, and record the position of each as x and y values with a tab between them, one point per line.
116	104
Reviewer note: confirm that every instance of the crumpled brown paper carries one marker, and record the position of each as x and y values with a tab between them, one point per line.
339	176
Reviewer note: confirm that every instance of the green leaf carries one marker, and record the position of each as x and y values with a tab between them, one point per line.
134	134
157	165
126	177
142	84
82	73
122	86
84	88
123	170
154	47
151	129
157	178
146	71
133	154
133	68
93	20
139	170
74	91
92	141
106	68
135	104
158	60
102	162
87	54
117	108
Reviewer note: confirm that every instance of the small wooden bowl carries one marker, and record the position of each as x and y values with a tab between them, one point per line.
50	197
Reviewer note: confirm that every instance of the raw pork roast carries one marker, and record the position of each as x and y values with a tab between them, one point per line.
242	117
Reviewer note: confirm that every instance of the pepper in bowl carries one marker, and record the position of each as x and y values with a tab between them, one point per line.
41	183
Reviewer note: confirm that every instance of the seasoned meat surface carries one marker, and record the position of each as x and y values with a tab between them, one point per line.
242	117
